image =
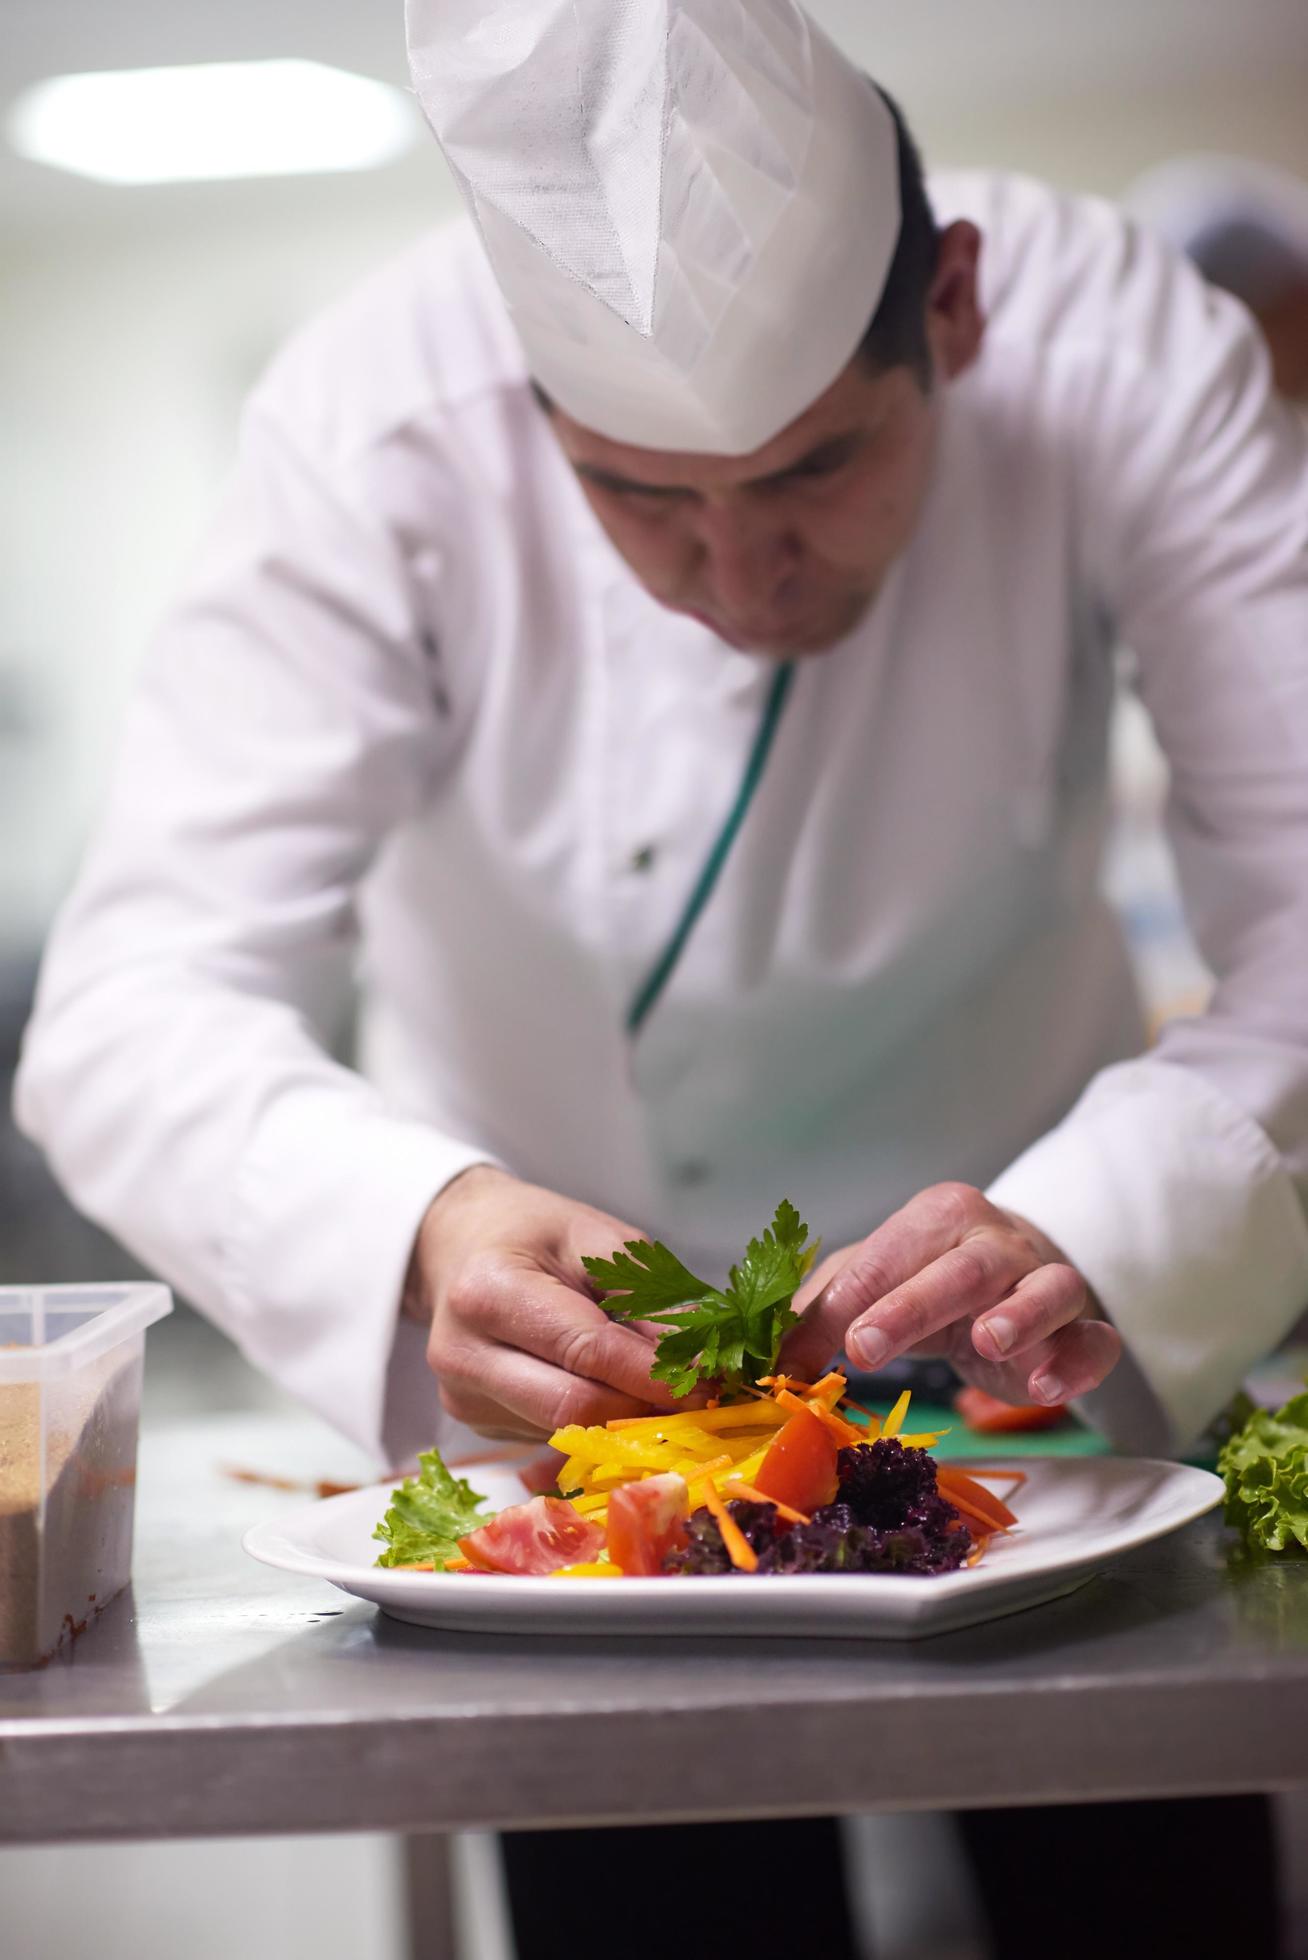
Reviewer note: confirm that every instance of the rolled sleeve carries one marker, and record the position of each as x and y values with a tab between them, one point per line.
1179	1213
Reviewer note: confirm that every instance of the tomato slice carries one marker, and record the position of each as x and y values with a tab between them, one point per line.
647	1521
988	1416
800	1468
536	1538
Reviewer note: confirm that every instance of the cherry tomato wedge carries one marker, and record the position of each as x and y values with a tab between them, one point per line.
988	1416
800	1467
536	1538
647	1521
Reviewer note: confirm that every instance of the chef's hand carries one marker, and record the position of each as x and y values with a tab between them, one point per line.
517	1344
953	1275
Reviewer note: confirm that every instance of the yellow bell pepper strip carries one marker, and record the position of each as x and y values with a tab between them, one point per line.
596	1569
739	1550
894	1422
598	1445
749	1466
734	1415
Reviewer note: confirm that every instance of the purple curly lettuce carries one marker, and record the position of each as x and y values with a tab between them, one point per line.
888	1516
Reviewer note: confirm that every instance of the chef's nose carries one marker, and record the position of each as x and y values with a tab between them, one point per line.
750	554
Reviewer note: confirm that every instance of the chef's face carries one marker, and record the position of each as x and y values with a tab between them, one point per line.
783	552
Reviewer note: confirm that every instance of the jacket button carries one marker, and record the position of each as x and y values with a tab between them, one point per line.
644	859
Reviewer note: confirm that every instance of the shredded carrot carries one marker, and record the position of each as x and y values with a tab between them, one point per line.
830	1388
830	1380
735	1488
845	1432
873	1419
741	1552
978	1523
961	1490
428	1567
451	1565
701	1479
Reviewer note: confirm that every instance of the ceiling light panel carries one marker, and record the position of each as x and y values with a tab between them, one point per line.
222	120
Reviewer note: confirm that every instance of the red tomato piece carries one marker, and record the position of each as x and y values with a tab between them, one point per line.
988	1416
647	1521
800	1468
536	1538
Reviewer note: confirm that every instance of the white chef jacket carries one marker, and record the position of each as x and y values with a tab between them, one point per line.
413	709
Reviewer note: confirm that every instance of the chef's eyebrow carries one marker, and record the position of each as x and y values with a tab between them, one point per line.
820	461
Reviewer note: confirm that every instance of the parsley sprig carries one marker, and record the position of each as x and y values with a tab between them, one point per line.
725	1335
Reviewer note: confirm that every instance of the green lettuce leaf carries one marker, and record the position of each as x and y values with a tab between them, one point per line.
428	1515
1265	1469
728	1336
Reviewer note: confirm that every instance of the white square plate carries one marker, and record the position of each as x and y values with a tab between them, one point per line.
1076	1516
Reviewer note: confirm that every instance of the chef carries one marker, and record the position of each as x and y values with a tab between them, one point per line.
659	631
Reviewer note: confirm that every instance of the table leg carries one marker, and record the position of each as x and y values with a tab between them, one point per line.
429	1897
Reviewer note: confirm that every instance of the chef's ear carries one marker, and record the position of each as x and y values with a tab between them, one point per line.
955	323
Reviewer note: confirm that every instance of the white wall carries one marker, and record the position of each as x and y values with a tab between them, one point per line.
124	355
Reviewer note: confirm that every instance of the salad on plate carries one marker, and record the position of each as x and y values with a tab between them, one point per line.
759	1474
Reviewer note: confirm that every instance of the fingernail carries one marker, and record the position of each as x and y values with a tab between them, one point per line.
1048	1388
869	1348
1001	1330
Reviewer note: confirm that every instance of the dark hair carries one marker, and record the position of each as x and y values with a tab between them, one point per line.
897	336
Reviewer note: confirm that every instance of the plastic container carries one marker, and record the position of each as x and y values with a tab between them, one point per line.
71	1359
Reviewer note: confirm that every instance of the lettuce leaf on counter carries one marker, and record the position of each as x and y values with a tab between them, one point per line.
428	1515
1265	1469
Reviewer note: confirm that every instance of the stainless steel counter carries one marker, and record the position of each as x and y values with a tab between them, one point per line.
219	1697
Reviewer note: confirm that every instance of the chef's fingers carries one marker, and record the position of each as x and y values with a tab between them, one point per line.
961	1284
542	1473
510	1393
821	1277
1042	1301
488	1417
1077	1360
518	1306
930	1225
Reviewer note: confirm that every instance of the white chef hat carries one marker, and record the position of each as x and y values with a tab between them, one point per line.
1244	224
691	206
